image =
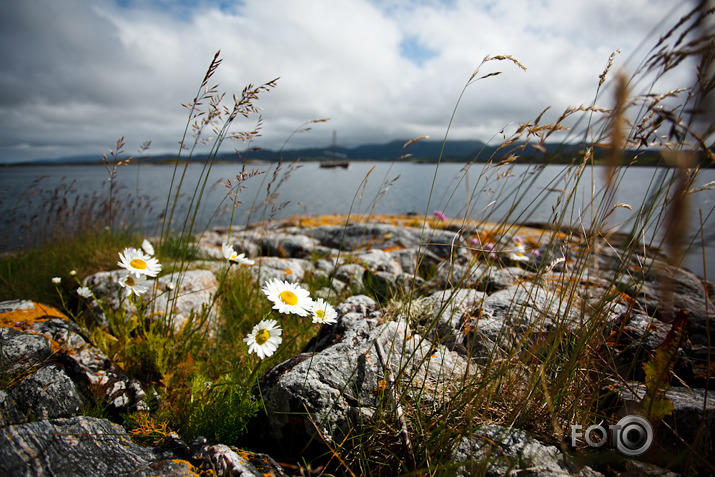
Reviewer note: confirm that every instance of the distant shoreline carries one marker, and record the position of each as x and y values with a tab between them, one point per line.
650	161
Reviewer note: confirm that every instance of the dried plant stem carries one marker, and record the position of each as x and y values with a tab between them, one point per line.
404	433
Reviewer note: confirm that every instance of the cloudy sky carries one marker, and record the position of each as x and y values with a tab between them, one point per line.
78	74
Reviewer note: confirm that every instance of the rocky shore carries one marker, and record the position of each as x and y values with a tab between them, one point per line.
477	293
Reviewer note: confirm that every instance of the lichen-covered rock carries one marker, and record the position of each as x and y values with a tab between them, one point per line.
51	371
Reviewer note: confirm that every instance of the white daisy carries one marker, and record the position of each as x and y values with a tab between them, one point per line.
148	247
84	292
518	254
133	285
230	254
323	312
288	297
56	280
138	263
264	338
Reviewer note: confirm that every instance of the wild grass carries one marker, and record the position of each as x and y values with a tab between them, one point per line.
543	379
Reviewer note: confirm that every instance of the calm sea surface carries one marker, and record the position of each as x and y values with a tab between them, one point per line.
519	194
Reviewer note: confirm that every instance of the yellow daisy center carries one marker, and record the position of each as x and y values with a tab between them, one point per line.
138	263
262	336
288	298
320	314
130	281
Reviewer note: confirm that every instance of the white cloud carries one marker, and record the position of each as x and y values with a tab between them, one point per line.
80	75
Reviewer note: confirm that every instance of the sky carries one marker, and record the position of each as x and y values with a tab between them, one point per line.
78	74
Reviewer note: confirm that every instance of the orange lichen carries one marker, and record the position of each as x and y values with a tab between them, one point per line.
24	318
381	386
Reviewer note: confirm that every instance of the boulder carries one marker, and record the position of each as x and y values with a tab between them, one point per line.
52	371
82	446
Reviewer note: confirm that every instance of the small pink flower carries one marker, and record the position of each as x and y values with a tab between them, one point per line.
475	240
518	239
440	215
536	253
492	255
488	246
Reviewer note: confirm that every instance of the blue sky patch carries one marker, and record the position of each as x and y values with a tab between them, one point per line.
416	52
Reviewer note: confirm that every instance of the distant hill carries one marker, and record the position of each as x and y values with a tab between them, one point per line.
425	151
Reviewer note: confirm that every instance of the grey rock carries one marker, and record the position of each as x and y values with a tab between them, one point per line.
407	258
380	284
453	275
505	316
437	242
376	260
351	274
193	293
242	241
289	269
451	311
293	245
81	446
45	394
19	350
60	380
9	306
356	236
226	462
692	420
494	450
327	266
339	385
496	279
649	283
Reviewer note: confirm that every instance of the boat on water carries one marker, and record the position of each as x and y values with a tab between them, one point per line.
338	159
334	164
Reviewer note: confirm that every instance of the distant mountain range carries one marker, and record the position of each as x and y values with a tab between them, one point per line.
425	150
422	150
